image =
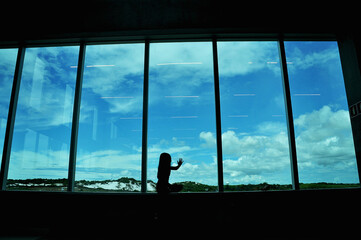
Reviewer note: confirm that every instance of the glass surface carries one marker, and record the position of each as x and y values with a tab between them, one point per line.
254	128
181	112
40	149
110	127
324	143
181	116
7	68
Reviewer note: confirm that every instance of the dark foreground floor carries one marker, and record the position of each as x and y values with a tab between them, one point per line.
247	215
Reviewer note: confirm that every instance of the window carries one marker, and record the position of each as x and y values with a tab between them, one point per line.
254	128
325	149
7	67
110	125
182	113
40	148
180	117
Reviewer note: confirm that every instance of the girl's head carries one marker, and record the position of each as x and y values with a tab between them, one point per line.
165	159
164	167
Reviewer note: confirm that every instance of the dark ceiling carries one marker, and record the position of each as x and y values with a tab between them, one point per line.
33	20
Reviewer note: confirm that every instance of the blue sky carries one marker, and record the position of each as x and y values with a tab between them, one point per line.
181	112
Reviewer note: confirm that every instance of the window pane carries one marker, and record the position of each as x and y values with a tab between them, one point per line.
7	68
324	143
40	148
110	128
181	113
254	128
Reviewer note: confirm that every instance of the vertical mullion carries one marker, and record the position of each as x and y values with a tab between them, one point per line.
11	118
218	116
75	122
145	118
289	116
352	81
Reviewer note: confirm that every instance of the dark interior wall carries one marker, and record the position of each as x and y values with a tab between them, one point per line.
301	213
29	20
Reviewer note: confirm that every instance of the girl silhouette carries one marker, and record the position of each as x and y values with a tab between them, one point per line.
164	168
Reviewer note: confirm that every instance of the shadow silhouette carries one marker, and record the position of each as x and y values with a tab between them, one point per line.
164	170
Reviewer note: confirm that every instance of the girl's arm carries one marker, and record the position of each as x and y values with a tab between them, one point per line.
180	162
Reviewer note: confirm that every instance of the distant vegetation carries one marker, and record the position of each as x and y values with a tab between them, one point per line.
328	185
125	184
37	184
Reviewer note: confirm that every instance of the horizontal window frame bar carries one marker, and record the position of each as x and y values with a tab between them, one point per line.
159	38
215	193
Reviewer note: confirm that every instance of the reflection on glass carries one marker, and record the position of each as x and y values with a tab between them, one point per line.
110	128
324	143
7	67
254	130
181	113
40	149
181	118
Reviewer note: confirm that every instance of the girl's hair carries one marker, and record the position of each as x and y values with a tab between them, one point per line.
165	157
164	165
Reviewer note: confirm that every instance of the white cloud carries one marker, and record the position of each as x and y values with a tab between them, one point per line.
172	146
301	60
255	154
196	171
323	141
248	157
175	147
235	58
125	61
109	159
180	79
199	165
31	164
208	138
241	58
47	87
7	67
324	138
126	106
48	82
247	179
119	74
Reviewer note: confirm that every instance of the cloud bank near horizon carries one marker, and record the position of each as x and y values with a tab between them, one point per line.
323	141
